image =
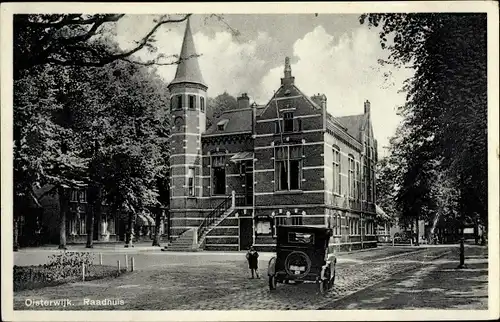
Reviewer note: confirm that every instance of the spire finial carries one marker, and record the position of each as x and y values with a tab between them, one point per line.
288	79
288	68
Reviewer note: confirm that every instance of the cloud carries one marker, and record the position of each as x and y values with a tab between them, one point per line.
344	67
226	64
346	70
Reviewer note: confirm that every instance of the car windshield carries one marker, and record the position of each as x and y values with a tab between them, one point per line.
300	238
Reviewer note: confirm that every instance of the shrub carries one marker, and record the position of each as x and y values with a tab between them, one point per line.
68	264
61	268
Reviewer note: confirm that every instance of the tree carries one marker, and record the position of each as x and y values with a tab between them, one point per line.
134	150
446	106
90	118
74	40
218	105
77	40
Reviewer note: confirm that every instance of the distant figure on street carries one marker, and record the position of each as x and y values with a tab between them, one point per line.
252	258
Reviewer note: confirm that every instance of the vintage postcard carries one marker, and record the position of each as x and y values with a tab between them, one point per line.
250	161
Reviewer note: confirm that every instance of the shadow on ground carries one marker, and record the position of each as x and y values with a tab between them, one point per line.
432	287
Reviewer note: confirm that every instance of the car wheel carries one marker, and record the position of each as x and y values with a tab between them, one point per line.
272	282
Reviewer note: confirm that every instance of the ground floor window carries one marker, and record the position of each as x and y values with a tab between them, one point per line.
82	223
297	220
280	221
338	225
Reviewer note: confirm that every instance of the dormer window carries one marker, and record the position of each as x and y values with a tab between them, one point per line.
221	126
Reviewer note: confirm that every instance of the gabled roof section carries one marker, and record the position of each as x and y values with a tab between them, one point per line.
353	124
188	70
236	120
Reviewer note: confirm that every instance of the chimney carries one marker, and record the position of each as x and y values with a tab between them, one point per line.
254	116
320	99
367	107
243	101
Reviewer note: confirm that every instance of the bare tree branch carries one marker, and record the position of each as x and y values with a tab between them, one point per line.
158	63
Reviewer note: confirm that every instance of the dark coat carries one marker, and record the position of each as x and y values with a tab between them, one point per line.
252	257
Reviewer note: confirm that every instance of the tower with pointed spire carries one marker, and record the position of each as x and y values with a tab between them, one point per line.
188	100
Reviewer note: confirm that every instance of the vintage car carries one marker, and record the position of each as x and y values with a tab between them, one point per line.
302	256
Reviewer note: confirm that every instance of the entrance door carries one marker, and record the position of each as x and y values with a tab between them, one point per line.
246	233
249	183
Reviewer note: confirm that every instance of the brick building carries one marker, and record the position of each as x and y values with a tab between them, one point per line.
257	167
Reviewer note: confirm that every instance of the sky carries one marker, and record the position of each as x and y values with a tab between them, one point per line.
331	54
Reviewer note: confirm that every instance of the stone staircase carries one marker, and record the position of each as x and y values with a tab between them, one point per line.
225	236
183	243
194	239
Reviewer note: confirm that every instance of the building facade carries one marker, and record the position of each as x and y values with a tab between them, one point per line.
288	162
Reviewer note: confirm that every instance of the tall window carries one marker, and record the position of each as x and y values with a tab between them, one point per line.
82	223
287	168
351	176
179	102
288	122
82	195
218	175
297	220
192	102
299	124
191	182
176	102
74	195
356	182
363	182
202	104
336	170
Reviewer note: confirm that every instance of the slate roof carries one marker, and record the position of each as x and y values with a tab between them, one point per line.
188	70
238	120
353	124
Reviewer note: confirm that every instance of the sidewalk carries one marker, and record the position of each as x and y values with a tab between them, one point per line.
98	247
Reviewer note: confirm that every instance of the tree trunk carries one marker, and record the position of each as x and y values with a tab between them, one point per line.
130	231
16	233
417	231
156	239
63	209
462	236
90	225
411	231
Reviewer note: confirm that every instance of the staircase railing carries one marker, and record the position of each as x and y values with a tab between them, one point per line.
215	214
